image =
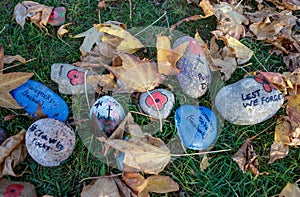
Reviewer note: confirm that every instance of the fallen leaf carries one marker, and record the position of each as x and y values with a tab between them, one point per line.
102	84
1	58
287	4
62	30
293	107
246	158
292	61
149	154
290	190
204	163
39	114
129	43
135	181
10	82
278	151
168	57
159	184
124	190
207	8
275	78
139	75
9	59
101	187
12	152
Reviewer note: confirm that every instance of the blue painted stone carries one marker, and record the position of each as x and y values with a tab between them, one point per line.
32	92
196	126
109	113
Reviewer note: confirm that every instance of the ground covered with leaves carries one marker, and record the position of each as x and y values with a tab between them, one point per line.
251	36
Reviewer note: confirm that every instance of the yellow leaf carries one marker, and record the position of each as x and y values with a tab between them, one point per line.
10	82
204	163
290	190
168	57
91	37
139	75
207	8
62	30
293	107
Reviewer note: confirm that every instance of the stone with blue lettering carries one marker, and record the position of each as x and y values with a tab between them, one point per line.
49	142
70	79
33	92
109	113
194	76
157	103
196	126
249	101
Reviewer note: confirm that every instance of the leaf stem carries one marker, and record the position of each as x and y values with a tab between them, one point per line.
156	107
99	177
202	153
17	64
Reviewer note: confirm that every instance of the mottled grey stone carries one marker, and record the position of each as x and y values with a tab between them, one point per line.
194	76
164	100
248	102
70	78
49	141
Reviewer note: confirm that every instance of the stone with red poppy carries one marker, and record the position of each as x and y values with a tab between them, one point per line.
16	189
194	76
70	78
159	103
57	16
249	101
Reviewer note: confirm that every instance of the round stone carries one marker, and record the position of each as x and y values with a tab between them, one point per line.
159	102
49	141
249	101
109	113
196	126
194	76
3	135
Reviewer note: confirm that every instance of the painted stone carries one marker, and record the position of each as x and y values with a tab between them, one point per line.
57	16
109	113
32	92
248	101
163	99
196	126
194	76
70	79
49	141
16	188
3	135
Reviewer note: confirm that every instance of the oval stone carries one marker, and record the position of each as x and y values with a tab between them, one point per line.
109	113
57	16
49	141
3	135
248	101
196	126
194	76
163	103
32	92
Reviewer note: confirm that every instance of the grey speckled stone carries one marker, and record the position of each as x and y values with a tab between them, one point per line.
164	100
70	78
49	141
3	135
248	101
194	77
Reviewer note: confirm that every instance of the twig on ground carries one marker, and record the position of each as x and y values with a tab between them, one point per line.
253	137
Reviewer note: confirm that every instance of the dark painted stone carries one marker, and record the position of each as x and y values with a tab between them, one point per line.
49	141
196	126
109	113
194	76
32	92
57	16
164	100
3	135
248	101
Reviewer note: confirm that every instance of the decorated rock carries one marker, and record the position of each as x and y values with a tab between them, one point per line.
248	101
57	16
16	188
70	78
196	126
32	92
162	102
3	135
49	141
194	77
108	112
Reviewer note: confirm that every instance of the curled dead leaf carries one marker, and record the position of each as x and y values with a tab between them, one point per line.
62	30
290	190
102	84
135	181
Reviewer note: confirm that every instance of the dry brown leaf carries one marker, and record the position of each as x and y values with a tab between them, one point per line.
207	8
204	163
62	30
39	112
135	181
129	43
10	82
105	187
149	154
293	107
38	13
138	75
287	4
124	190
102	83
246	158
9	59
292	61
168	57
12	152
290	190
275	78
278	151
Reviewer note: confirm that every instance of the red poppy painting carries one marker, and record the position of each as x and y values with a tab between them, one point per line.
13	190
268	87
76	77
158	101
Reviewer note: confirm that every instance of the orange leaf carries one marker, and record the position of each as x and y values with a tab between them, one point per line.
135	181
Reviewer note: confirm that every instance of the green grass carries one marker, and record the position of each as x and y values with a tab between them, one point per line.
222	178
